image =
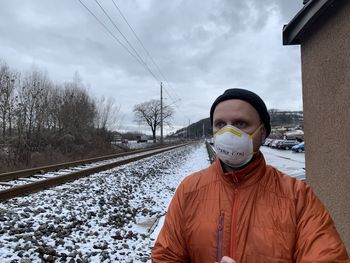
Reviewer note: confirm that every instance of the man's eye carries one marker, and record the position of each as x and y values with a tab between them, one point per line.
240	124
219	125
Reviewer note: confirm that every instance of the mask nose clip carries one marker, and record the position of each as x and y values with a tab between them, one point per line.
229	128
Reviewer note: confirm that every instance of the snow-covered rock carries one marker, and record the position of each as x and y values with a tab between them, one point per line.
106	217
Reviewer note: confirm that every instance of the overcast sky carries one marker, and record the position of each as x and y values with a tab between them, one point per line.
201	48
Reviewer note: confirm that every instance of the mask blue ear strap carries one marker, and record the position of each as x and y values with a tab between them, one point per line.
257	129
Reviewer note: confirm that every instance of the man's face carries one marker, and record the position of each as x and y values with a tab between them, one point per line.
241	115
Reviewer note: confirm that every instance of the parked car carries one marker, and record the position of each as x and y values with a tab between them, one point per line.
298	148
267	142
274	143
278	144
142	138
287	144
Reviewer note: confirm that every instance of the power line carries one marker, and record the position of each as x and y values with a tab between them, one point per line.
109	31
172	88
142	45
128	42
133	31
106	28
137	56
171	96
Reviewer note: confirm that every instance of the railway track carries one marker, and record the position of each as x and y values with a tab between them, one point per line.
23	182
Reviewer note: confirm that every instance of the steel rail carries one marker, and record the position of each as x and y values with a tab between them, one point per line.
43	184
5	177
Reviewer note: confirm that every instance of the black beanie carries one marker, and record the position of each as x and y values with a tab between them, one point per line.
248	96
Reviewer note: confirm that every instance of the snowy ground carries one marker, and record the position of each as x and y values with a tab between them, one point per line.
286	161
113	216
101	218
136	145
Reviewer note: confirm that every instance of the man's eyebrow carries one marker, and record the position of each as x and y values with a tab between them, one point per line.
217	120
235	119
241	119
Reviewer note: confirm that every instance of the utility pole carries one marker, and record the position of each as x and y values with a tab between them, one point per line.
161	113
188	129
203	131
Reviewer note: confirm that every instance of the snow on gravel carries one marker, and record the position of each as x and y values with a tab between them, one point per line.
112	216
106	217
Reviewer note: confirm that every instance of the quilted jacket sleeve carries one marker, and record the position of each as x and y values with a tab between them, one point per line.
317	237
170	245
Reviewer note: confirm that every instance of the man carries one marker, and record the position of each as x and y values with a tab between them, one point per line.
240	209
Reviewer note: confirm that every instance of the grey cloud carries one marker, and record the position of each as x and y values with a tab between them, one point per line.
240	15
203	47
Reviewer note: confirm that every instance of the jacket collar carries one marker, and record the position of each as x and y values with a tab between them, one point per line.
246	176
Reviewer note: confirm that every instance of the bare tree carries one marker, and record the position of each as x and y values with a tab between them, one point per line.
7	80
149	113
108	114
34	98
53	121
77	112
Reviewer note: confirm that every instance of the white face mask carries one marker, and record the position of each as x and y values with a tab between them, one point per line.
233	146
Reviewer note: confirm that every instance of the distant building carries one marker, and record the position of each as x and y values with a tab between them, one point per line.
116	136
322	29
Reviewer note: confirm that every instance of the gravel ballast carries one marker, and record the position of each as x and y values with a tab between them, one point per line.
106	217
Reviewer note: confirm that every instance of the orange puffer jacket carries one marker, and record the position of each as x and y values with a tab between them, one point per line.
256	214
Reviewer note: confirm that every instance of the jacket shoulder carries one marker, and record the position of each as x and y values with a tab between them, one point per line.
200	179
298	192
284	185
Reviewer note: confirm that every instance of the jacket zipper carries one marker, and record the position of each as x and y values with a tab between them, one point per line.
234	222
220	235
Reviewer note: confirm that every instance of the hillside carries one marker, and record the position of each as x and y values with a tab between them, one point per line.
203	127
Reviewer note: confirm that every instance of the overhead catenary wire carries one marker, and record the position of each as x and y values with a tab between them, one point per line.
106	28
173	100
168	84
134	54
121	43
144	48
127	41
